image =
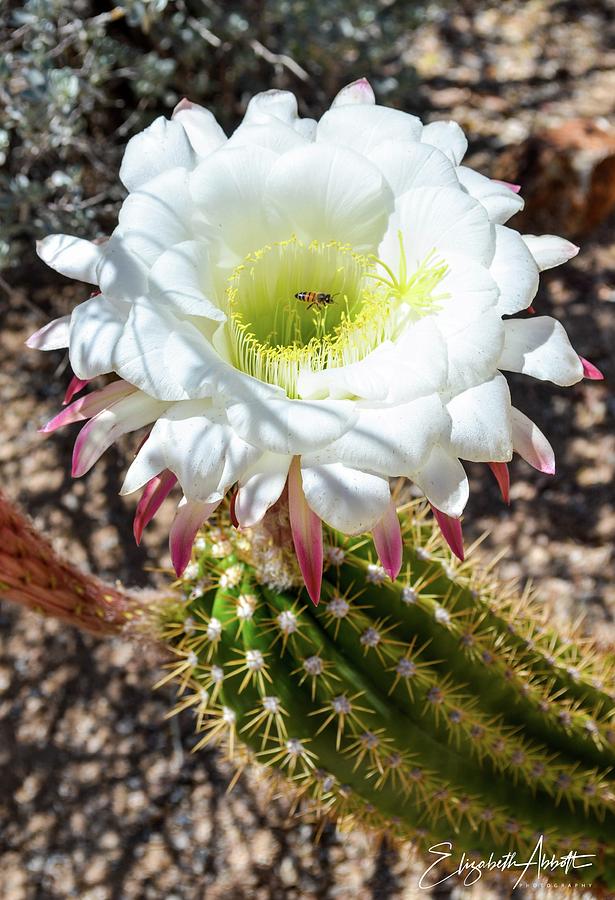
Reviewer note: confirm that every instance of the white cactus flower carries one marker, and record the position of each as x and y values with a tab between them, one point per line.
318	304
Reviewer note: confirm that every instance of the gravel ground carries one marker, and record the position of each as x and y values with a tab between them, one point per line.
101	798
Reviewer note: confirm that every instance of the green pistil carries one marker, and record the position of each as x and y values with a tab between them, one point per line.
416	292
274	336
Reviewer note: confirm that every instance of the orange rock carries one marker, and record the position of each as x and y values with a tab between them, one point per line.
567	177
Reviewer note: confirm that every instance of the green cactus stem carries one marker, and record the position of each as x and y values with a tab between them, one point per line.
438	707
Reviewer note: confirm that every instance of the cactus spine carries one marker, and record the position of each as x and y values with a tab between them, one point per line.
439	707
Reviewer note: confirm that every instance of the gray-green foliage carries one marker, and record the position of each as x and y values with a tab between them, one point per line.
76	82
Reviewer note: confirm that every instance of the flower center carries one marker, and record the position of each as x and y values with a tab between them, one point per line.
295	307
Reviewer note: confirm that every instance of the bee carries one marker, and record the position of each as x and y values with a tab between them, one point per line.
315	298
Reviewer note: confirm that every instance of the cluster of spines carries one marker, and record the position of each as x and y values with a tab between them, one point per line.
307	691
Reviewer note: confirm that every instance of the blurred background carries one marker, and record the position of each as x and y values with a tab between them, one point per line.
101	798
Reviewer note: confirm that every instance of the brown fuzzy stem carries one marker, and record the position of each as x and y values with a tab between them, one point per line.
33	575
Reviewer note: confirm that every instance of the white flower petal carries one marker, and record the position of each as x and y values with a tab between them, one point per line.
125	415
368	378
306	128
229	190
469	323
329	193
276	136
407	165
201	127
446	221
549	250
183	278
121	274
193	440
156	216
55	335
419	365
190	516
358	92
530	443
481	423
500	202
514	270
291	426
447	137
139	355
347	499
443	481
390	441
281	105
473	346
95	328
467	291
260	487
540	347
414	366
201	371
71	256
164	145
363	126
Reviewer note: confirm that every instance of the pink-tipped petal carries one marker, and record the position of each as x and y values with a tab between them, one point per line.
154	492
358	92
530	443
88	406
451	531
129	413
52	336
306	529
591	371
515	188
388	542
502	476
75	385
188	519
184	103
